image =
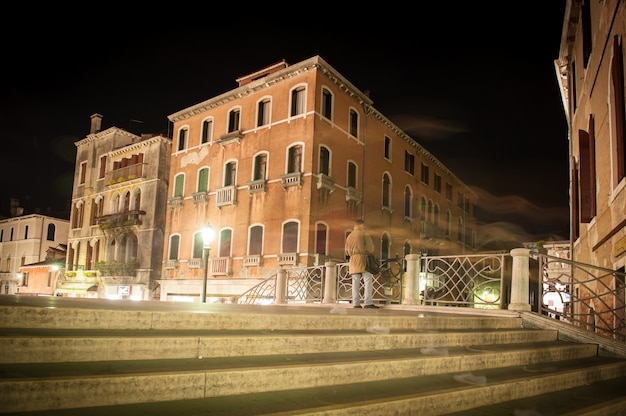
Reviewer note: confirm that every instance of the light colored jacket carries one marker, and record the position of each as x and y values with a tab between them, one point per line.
358	243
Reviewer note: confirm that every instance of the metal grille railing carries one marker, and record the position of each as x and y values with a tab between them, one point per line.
586	296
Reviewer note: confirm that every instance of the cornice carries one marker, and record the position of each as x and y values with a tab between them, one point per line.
137	145
105	133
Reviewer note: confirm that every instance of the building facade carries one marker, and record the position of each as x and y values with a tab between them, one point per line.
118	213
281	166
27	239
591	72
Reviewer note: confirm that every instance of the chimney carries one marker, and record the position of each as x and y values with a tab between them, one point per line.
96	123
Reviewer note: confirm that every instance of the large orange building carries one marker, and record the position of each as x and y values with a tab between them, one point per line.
280	167
592	74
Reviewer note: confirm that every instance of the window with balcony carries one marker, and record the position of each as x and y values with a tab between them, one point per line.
103	167
255	240
259	173
293	177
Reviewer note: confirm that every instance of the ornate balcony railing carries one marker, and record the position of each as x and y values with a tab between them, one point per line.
120	219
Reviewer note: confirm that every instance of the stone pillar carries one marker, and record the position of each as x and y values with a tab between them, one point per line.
280	295
330	282
412	280
520	280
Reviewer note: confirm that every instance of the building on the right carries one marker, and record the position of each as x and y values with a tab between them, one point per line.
590	71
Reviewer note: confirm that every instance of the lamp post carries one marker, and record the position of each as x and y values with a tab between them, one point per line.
207	237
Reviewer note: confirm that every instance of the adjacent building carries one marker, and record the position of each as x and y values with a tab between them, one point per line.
591	72
280	167
24	240
119	196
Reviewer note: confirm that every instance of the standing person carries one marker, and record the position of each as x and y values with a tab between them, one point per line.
358	244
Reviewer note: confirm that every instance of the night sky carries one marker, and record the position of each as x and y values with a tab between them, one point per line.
473	84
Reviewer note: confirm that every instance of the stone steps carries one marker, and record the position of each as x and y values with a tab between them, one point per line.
295	361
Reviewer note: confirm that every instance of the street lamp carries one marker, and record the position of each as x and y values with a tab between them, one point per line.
207	237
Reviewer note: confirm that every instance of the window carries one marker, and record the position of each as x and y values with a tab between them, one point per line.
137	199
618	113
24	278
290	237
354	123
182	138
11	234
255	240
408	198
207	131
233	120
126	202
385	246
327	104
386	191
26	232
77	219
49	282
409	162
179	184
437	183
230	174
88	258
294	164
321	236
448	224
174	244
226	236
203	180
587	171
324	160
460	198
459	231
103	167
298	101
198	245
263	112
51	232
352	174
423	208
387	150
425	174
83	173
448	191
260	167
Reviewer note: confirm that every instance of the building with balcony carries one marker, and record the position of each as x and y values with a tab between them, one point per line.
591	72
25	240
280	167
118	213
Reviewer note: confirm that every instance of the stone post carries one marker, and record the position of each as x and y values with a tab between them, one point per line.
280	296
330	282
412	280
520	280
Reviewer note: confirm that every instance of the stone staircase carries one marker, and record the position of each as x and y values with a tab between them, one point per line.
75	357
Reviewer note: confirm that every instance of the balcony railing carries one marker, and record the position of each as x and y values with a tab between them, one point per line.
175	201
325	182
120	219
200	197
126	173
116	268
291	179
353	194
226	196
257	186
220	265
